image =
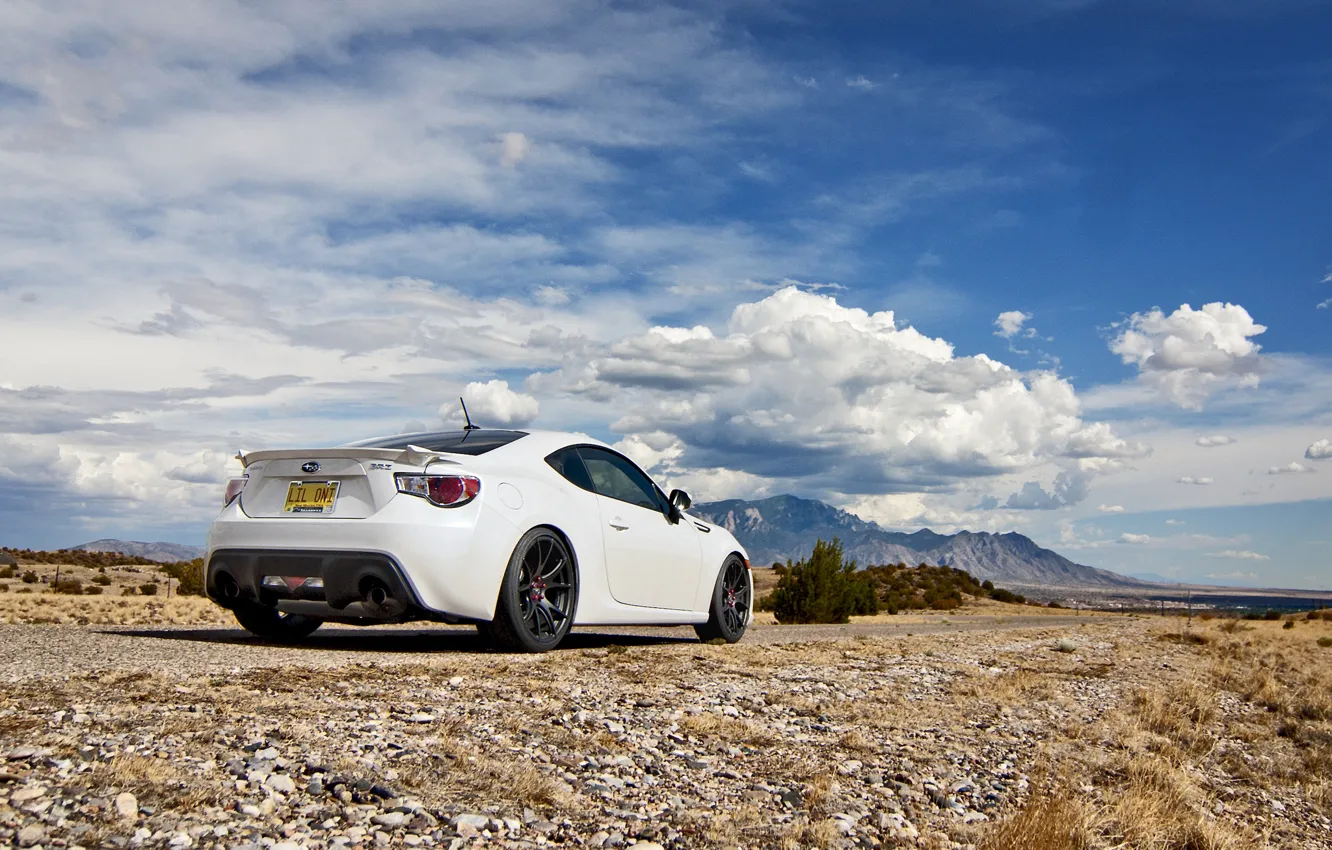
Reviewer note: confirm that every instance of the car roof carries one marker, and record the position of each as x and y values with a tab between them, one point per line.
482	441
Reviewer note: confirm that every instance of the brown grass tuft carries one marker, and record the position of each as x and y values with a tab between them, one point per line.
1044	823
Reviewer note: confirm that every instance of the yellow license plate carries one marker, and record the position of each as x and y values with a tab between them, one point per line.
311	497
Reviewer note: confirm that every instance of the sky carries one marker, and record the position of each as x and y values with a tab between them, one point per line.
1061	267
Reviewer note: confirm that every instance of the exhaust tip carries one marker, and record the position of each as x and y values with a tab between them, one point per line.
229	588
377	596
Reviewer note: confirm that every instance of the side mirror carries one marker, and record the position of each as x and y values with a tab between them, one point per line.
680	502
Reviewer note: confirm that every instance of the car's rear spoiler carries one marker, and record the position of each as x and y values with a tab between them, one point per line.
412	455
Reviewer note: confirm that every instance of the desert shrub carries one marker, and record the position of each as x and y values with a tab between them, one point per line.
823	589
1054	604
1325	642
1001	595
189	576
4	588
987	586
29	577
8	571
1289	624
148	588
69	586
129	590
1020	599
93	590
1206	615
103	580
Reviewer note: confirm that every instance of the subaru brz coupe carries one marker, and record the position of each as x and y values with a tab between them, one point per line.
522	533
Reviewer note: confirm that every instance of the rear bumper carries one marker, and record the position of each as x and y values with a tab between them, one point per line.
442	563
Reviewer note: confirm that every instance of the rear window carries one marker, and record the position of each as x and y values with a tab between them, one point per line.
454	442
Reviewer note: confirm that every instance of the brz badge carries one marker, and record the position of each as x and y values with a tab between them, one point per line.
310	468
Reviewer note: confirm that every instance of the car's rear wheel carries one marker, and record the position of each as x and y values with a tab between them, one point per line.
270	623
728	616
538	597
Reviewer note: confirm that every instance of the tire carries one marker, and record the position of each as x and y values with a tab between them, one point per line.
538	596
728	616
272	624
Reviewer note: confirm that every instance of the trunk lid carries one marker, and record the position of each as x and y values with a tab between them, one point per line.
345	483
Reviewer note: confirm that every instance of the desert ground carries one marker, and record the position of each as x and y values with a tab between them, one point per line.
971	730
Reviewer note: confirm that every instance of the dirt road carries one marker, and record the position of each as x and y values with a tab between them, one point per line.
27	650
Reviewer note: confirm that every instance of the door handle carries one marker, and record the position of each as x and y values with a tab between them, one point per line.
619	524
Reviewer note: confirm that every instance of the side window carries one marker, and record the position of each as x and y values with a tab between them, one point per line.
567	463
614	476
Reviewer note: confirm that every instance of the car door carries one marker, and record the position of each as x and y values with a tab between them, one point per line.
650	561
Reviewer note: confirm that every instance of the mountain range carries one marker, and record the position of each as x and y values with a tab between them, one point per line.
786	527
166	553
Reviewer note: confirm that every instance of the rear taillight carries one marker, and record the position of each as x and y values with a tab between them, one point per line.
446	491
234	488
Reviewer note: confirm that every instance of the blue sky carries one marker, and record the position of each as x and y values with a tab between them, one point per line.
926	261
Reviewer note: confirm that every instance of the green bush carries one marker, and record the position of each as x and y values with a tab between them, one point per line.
823	589
1001	595
103	580
92	590
29	577
189	576
69	587
148	589
129	590
8	571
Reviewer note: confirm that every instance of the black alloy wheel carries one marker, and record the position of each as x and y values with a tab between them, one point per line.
268	622
728	616
539	595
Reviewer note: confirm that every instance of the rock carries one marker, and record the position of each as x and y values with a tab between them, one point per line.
390	819
281	783
23	795
422	717
31	834
794	798
477	822
648	845
180	840
127	806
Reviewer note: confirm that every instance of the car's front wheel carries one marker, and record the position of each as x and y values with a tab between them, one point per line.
538	597
272	624
728	616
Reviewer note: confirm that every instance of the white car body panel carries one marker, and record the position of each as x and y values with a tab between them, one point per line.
454	559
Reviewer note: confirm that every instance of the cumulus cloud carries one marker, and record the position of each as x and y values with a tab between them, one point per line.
1110	509
493	404
1233	575
1320	450
1214	441
1190	354
862	83
1174	522
1199	481
1010	323
1292	468
1134	539
800	386
514	148
1240	555
1069	488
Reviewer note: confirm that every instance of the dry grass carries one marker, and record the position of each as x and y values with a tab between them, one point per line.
50	608
732	729
1047	822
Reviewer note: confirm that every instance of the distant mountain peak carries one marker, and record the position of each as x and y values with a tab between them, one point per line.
163	552
780	528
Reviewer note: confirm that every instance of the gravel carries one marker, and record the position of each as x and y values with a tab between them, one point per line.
201	738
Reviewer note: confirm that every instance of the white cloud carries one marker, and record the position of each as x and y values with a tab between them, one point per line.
1190	354
1174	522
1110	509
1239	554
1214	440
862	83
1189	479
1319	450
1010	323
1069	488
1292	468
514	148
801	387
1134	539
493	404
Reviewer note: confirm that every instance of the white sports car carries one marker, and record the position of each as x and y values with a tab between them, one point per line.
524	534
